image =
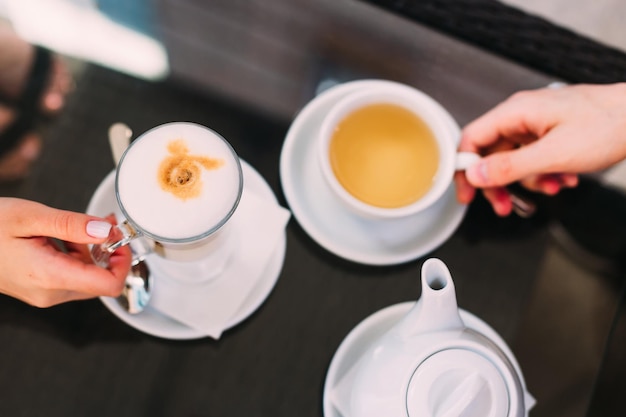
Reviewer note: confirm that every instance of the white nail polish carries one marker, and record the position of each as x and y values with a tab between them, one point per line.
477	174
482	171
98	229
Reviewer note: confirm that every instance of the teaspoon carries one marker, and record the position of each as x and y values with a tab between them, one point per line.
136	292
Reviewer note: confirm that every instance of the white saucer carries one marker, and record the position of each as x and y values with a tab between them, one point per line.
366	332
330	224
153	322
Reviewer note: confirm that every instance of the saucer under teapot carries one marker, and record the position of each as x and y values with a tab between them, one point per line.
433	359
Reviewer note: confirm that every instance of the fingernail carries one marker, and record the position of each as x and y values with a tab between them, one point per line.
477	173
98	229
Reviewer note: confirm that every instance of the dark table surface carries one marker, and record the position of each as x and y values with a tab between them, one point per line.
549	285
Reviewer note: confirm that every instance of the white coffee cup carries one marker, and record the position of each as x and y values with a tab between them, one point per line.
444	131
177	185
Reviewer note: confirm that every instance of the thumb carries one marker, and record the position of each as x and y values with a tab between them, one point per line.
62	224
505	167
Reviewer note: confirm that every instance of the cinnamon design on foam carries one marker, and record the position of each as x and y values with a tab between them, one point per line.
181	173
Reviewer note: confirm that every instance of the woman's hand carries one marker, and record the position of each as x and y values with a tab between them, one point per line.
543	139
33	267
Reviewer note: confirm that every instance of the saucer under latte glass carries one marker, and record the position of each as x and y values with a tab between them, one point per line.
177	185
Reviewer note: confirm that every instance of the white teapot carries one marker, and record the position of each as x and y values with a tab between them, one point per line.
432	363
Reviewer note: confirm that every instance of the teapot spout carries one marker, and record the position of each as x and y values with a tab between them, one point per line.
436	310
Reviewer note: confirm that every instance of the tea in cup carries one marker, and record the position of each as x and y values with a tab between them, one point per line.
389	151
177	185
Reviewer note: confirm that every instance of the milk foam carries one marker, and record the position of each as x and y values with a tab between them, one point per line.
162	214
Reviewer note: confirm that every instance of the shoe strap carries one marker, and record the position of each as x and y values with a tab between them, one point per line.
27	106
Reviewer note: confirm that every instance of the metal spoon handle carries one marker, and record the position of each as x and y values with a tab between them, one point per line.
522	206
119	139
138	284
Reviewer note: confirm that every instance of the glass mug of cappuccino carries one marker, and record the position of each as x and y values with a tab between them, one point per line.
176	185
389	151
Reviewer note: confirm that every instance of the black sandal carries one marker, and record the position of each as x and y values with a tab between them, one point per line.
28	105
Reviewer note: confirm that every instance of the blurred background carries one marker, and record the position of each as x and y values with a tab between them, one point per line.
267	54
601	20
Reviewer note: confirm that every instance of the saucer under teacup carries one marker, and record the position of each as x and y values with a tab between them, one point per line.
154	322
334	227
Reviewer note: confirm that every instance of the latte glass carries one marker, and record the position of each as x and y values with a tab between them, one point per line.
177	185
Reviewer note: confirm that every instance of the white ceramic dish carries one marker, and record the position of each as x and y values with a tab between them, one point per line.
370	329
156	324
333	226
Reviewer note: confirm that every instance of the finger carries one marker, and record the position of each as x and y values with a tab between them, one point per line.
569	180
500	200
79	251
69	273
56	272
505	167
546	184
553	183
464	191
45	298
120	260
550	184
50	299
35	219
74	296
524	115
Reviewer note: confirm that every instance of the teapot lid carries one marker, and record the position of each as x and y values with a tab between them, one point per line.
458	382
